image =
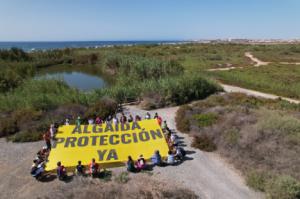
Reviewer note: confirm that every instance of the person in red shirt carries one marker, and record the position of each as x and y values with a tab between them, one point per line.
47	139
93	168
159	120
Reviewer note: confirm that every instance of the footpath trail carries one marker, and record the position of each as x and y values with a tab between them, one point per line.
207	174
231	89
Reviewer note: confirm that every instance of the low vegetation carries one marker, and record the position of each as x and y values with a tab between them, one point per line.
260	137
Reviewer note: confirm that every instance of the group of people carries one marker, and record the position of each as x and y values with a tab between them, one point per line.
141	164
80	170
175	154
114	119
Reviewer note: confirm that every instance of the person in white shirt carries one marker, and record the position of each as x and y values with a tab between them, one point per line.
170	159
148	116
91	121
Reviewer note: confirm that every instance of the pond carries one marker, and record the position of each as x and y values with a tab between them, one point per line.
85	78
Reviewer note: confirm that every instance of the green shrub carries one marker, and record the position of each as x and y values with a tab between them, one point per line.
8	126
206	119
103	108
41	95
283	187
256	180
204	143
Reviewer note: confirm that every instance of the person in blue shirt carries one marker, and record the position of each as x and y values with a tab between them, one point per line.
156	158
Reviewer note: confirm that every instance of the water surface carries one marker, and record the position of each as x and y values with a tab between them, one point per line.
84	78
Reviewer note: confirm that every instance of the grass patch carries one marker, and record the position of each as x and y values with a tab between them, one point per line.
123	177
257	180
206	119
232	136
283	187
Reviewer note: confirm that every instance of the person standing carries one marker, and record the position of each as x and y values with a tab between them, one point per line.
47	140
78	121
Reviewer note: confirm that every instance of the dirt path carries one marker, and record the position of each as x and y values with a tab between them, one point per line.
231	89
208	175
256	60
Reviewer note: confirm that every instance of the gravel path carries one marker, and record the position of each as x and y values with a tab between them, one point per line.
208	175
256	60
231	89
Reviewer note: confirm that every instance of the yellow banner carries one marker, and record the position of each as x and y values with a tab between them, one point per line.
107	143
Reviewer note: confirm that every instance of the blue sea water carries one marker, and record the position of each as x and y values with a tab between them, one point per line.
31	46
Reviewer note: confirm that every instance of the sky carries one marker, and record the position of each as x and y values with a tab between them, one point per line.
90	20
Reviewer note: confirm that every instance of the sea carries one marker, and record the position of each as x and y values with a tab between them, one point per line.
36	46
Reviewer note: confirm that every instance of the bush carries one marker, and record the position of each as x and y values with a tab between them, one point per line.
283	187
8	126
204	143
182	123
103	108
26	136
256	180
206	119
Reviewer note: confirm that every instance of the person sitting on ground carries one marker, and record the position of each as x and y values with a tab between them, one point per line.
174	139
155	116
170	159
80	170
147	116
123	118
93	168
47	140
78	121
61	171
43	153
159	120
67	122
130	165
108	119
137	118
115	120
164	126
37	169
179	153
141	163
156	158
130	119
91	121
98	120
